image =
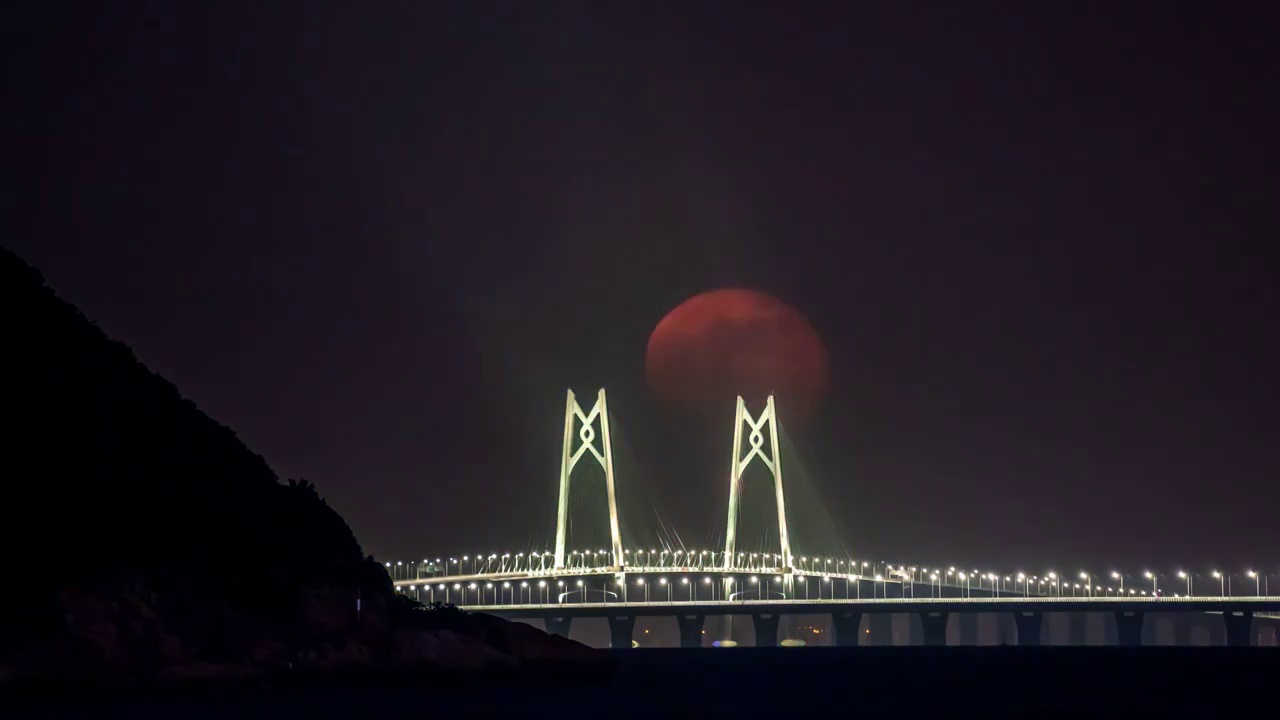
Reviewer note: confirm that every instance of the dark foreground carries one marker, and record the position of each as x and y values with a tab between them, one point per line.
971	682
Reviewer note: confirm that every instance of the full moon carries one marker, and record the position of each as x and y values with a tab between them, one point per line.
724	343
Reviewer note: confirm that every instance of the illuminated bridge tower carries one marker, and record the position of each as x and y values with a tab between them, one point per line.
772	461
587	441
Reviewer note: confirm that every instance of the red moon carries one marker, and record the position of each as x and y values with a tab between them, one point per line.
724	343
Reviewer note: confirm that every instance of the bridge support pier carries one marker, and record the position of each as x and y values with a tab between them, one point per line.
1182	623
880	629
934	625
1077	629
690	630
558	625
1129	628
968	623
766	625
620	627
1029	626
1239	627
846	626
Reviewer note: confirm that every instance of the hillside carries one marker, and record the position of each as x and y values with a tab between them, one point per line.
118	471
144	536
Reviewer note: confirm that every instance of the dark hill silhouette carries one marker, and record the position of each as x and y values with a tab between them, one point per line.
129	512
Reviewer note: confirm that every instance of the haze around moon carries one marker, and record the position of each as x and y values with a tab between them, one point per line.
729	342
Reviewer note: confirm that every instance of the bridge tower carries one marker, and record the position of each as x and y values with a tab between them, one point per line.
772	461
587	441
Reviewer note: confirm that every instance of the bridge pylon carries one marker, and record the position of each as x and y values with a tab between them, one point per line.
772	461
586	441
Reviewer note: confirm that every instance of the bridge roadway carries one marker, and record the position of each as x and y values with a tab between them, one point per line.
1028	613
665	570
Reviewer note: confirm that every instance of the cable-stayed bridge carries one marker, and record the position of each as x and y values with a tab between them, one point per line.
621	583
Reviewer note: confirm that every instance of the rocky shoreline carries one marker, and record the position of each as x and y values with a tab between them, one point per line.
257	683
130	638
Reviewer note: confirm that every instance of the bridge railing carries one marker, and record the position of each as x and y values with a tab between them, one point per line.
1149	602
535	572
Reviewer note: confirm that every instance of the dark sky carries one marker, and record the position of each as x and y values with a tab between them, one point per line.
380	240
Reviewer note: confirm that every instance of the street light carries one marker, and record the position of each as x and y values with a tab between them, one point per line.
1186	577
1151	576
1088	581
1221	592
1257	583
1117	575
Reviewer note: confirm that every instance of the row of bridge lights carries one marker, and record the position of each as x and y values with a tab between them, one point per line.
487	560
935	576
480	560
1091	587
542	585
481	564
640	582
1053	580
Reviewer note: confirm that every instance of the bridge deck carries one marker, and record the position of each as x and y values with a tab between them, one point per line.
888	605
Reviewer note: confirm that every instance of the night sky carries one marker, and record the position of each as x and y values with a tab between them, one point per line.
380	240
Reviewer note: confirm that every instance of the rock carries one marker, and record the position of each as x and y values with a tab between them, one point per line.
346	652
270	653
525	642
130	632
447	649
327	608
207	671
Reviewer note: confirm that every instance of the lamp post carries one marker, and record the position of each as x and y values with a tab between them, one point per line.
1119	576
1187	577
1152	577
1088	582
1257	583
